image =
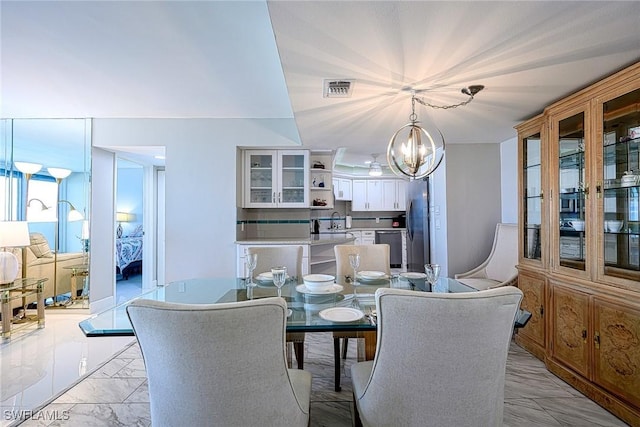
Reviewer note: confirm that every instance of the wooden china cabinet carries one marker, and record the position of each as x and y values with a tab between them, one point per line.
579	244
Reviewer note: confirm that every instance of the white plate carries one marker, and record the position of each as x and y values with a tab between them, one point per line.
265	277
341	314
413	276
335	289
372	275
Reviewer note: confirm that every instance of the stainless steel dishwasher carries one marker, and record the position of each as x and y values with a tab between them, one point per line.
393	238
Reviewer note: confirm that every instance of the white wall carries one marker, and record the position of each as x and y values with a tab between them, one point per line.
509	180
200	185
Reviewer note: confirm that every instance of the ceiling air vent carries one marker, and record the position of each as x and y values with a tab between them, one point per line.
338	88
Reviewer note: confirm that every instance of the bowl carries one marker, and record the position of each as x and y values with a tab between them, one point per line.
318	282
577	224
613	226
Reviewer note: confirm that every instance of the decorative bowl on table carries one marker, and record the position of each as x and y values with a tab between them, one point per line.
318	282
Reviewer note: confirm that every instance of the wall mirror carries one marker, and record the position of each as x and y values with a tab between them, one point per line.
45	180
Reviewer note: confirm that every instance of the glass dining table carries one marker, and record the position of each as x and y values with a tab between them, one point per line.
309	312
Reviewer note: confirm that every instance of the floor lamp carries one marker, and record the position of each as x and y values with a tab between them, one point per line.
28	169
59	174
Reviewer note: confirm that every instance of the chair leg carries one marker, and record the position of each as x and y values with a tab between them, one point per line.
357	422
298	348
336	356
345	346
288	346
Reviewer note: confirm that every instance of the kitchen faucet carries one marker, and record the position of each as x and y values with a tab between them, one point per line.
333	225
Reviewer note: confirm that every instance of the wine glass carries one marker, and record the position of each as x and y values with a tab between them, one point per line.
433	272
279	277
251	259
354	261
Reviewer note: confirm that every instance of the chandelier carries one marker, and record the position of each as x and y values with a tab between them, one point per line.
420	153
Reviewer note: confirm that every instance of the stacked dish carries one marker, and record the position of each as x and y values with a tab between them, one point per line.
318	282
371	277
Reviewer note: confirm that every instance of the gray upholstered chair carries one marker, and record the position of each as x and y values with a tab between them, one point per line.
372	257
219	364
499	269
453	375
290	257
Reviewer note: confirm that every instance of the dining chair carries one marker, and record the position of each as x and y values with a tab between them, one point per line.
453	375
290	257
372	257
499	269
219	364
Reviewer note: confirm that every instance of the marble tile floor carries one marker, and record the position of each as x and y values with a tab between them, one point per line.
115	394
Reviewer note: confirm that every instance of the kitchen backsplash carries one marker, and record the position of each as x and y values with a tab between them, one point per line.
298	223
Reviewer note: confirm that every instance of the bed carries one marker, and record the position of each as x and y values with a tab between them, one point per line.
128	256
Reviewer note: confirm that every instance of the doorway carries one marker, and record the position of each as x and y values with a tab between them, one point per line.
130	230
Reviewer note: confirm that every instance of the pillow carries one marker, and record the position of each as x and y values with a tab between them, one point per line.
138	232
40	246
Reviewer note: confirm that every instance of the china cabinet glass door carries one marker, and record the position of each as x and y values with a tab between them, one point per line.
293	176
532	191
572	189
621	184
261	178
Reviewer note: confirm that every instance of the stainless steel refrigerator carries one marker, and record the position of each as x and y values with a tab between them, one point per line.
418	225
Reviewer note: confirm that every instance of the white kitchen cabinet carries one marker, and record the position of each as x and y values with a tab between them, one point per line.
367	195
342	188
368	237
394	193
379	195
276	179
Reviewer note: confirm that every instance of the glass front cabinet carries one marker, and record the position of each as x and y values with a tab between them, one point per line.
579	240
276	179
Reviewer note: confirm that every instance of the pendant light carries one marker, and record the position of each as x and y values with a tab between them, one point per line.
421	152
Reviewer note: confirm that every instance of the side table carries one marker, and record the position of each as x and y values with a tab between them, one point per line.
78	270
20	289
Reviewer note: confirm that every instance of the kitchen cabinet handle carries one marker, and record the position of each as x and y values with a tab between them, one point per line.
584	336
596	339
599	189
279	194
541	196
273	198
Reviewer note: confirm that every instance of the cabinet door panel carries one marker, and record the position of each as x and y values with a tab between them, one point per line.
617	349
374	195
533	302
261	179
570	329
388	195
359	195
401	195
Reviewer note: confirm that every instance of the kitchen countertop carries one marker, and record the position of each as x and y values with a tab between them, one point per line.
325	237
314	239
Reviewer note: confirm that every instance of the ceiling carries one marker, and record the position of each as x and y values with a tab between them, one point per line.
241	59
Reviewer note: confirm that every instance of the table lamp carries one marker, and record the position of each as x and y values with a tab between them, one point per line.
13	234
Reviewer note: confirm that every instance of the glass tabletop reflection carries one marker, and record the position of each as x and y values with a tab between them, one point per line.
306	307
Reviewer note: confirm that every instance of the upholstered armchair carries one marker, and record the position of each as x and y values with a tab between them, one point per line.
40	263
453	375
499	269
219	364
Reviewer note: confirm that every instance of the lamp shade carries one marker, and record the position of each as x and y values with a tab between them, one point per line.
125	217
28	168
12	234
59	173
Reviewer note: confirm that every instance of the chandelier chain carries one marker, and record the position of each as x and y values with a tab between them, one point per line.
441	107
